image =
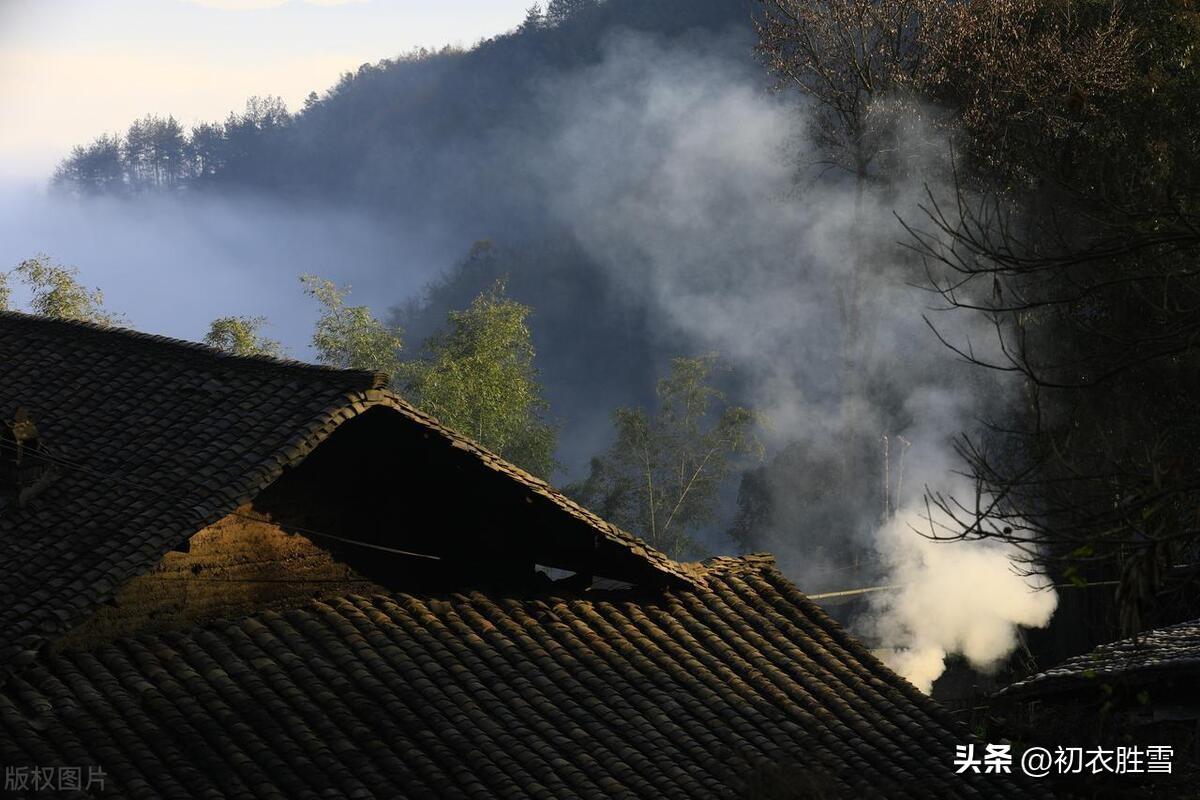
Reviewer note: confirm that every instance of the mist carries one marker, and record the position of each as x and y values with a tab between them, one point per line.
670	175
173	264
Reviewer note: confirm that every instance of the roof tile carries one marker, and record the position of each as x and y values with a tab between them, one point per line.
156	438
608	694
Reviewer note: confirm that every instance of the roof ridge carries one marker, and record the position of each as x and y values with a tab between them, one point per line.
377	380
747	562
689	573
354	600
728	565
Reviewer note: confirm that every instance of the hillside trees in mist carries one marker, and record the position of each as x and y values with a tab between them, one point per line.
534	19
662	477
357	141
154	153
97	168
559	12
157	154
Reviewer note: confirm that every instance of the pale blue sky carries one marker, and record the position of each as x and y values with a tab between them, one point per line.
72	69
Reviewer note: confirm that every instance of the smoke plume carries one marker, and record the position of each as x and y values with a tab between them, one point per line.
952	597
677	171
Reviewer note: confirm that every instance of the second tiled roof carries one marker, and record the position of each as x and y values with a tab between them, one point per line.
1173	651
682	693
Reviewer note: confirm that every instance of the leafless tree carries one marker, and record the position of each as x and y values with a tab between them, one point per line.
1098	315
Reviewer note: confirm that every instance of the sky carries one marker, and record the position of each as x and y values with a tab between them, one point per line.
73	69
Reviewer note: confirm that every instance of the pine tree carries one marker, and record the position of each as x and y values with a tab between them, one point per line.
534	18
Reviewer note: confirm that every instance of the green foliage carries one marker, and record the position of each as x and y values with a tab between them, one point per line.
56	292
241	336
350	336
479	379
477	375
5	291
662	477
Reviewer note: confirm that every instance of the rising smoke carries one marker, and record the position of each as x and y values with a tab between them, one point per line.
954	597
691	188
679	173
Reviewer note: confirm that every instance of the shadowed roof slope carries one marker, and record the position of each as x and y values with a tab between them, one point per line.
154	439
642	693
1170	652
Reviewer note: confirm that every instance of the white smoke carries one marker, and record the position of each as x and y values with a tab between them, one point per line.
956	597
953	597
678	171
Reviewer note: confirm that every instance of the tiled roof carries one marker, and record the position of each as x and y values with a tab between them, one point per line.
1171	652
156	439
643	693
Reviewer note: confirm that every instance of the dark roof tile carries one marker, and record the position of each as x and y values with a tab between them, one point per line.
155	439
1162	653
611	694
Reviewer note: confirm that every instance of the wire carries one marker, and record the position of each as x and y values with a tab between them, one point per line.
899	586
340	581
854	592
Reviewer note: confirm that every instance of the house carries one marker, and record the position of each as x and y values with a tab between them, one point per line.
1142	692
241	577
1163	657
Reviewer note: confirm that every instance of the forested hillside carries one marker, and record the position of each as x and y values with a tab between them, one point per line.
445	140
425	119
